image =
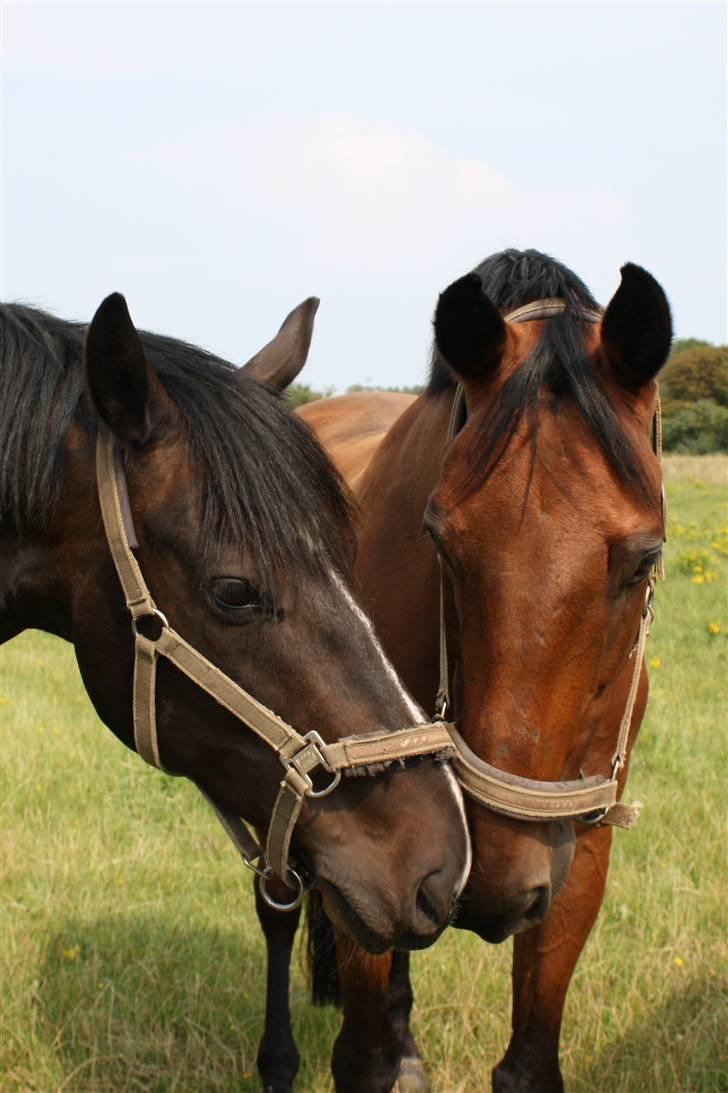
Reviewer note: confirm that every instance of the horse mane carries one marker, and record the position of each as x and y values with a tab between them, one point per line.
264	482
559	364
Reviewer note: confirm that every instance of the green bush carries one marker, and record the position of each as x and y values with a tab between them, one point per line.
298	394
697	373
697	427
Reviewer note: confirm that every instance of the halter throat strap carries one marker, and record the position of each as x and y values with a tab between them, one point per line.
299	754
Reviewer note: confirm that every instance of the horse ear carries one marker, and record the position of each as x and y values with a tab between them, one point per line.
469	329
279	362
125	390
637	329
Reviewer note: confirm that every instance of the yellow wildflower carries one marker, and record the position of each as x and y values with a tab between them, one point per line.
679	962
72	953
713	628
698	579
655	662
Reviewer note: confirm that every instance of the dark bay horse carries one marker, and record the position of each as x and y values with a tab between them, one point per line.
245	542
545	514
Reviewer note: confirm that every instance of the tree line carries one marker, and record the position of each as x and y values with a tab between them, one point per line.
693	387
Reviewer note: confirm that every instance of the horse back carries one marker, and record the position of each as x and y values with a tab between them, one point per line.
351	427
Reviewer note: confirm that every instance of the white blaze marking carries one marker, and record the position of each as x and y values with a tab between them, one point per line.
415	712
418	718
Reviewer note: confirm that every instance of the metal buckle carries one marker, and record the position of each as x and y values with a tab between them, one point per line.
617	764
156	613
648	610
314	740
268	898
441	706
263	871
591	819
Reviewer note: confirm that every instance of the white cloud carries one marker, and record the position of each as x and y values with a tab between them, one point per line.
376	195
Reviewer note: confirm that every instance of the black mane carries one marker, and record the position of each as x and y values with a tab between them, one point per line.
264	481
559	364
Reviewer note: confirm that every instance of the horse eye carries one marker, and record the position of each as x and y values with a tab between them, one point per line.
237	593
644	568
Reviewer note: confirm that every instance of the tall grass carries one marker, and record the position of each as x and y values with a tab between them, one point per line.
131	958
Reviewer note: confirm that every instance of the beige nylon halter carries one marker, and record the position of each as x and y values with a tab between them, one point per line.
591	800
300	755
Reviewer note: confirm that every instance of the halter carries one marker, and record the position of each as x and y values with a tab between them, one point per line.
300	755
592	800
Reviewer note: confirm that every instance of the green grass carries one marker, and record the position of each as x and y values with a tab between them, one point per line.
131	957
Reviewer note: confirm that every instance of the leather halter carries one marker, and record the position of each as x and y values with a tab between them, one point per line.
300	755
591	800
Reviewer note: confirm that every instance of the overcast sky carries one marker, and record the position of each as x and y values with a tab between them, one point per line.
217	163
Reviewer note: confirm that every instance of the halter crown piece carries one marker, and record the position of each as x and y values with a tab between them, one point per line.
592	800
300	755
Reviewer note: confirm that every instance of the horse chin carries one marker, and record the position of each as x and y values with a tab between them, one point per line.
347	916
511	919
490	928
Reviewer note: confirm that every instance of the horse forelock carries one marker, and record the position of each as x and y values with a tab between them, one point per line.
560	363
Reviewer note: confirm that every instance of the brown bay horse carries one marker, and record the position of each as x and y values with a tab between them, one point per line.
224	507
544	512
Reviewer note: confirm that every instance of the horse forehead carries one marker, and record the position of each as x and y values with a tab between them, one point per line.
560	484
165	475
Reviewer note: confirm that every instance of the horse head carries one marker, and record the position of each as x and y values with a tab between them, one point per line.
243	537
548	521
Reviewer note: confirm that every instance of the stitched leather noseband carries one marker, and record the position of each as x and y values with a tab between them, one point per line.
591	800
300	755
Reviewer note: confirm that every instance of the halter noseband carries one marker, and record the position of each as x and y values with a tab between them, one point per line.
591	800
300	755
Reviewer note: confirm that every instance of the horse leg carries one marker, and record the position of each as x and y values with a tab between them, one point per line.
278	1056
367	1051
544	958
411	1077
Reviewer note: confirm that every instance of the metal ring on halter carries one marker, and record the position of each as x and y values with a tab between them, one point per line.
331	786
156	613
295	902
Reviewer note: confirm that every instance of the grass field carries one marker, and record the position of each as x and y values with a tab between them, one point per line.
131	958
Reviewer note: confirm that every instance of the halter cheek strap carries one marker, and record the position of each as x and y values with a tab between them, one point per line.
592	800
300	755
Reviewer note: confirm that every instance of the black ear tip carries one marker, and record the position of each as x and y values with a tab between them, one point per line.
112	307
638	275
312	304
115	300
468	286
464	292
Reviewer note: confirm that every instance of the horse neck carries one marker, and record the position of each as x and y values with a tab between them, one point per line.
42	568
396	568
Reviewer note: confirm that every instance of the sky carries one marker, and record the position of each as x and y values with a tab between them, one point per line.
219	162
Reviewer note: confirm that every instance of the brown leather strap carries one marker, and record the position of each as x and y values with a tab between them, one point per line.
136	593
527	798
546	309
145	677
386	747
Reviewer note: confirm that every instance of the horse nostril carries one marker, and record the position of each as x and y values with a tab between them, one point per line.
426	905
536	910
